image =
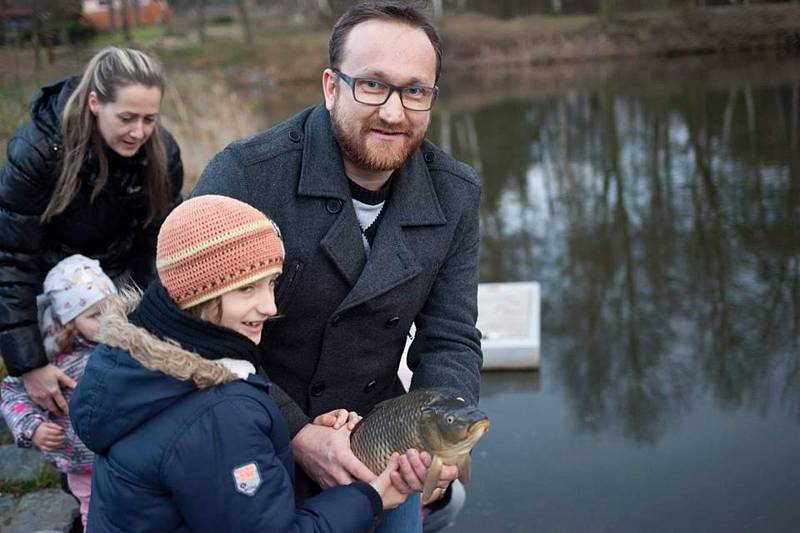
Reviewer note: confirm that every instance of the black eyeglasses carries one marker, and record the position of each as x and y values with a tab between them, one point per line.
374	92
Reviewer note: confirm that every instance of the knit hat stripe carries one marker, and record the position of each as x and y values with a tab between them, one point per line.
212	244
208	243
222	289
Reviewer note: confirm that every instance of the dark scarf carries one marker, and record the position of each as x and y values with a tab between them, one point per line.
159	315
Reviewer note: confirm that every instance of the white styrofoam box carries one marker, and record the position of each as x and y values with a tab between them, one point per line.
508	318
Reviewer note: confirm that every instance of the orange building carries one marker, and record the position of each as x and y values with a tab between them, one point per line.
97	13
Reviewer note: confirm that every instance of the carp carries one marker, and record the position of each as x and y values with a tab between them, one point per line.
429	420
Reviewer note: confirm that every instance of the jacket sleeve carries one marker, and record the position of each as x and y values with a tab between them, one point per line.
22	416
245	487
446	350
143	265
225	175
24	192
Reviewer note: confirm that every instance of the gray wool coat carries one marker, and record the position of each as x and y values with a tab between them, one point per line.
346	316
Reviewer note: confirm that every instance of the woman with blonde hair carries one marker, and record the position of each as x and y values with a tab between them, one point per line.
93	173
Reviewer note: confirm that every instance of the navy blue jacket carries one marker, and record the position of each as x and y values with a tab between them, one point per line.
168	450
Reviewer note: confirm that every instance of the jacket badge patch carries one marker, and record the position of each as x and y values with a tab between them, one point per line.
247	478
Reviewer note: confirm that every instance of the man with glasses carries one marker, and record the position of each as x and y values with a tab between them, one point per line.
381	232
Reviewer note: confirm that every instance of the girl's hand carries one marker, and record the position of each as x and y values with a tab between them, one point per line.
337	418
48	436
390	496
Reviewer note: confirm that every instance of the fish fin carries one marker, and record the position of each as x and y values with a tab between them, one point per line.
464	468
434	471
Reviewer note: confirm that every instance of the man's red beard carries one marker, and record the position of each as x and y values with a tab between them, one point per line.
377	159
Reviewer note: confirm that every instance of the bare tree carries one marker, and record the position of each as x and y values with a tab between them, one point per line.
445	137
137	16
727	117
438	9
36	30
608	9
3	11
126	27
324	7
200	11
245	21
112	23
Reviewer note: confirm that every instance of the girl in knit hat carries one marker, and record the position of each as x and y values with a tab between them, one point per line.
74	291
188	435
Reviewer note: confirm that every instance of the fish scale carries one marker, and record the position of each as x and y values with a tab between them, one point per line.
391	427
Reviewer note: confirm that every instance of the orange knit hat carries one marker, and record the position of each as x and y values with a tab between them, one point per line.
210	245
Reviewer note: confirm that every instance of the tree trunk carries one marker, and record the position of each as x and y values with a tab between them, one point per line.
51	46
3	11
126	27
324	7
438	9
608	9
112	24
137	16
36	33
201	20
445	138
727	117
245	21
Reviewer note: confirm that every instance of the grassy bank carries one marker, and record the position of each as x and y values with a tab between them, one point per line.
288	52
540	40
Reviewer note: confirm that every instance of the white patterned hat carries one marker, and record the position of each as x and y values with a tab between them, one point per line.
74	285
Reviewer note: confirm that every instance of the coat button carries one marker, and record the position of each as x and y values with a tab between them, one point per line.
335	320
392	322
294	136
429	157
333	206
369	386
318	388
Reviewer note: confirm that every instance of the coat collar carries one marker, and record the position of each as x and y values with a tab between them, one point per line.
413	203
153	352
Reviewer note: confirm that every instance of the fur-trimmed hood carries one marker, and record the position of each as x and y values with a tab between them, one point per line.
132	376
150	351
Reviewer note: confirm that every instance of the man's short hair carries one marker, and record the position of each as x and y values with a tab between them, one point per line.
409	13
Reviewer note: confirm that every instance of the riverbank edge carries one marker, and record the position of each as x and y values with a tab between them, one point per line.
476	41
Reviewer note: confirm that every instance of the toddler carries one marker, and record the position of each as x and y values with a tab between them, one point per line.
74	291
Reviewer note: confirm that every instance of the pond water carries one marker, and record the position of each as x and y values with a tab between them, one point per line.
658	204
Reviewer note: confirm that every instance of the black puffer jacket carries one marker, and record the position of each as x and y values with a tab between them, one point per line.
110	229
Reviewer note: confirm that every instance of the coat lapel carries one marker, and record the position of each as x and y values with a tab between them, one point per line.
343	244
391	260
322	176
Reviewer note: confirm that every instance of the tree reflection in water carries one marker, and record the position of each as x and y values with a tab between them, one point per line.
664	225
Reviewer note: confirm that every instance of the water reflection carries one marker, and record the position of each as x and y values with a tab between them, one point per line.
664	225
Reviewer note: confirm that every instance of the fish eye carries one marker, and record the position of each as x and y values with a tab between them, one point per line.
450	419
